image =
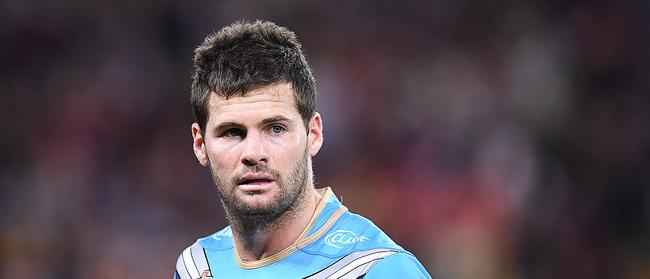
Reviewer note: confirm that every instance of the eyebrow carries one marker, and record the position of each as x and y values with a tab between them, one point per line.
228	124
274	119
266	121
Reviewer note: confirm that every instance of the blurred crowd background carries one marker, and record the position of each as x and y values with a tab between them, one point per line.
494	139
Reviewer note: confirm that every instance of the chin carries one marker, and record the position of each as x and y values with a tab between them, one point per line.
258	201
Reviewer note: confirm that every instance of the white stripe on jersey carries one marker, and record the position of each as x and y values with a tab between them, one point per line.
368	259
189	263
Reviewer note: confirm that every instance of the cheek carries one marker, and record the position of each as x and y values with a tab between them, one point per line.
289	149
222	158
286	159
296	141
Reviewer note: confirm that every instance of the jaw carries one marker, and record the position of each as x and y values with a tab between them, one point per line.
260	210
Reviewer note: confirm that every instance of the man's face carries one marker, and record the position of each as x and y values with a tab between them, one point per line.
259	151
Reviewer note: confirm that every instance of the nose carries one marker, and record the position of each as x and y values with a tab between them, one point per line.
254	151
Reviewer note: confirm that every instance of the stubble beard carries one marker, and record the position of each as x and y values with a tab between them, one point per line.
247	219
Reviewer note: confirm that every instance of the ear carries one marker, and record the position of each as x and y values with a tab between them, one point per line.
199	145
315	134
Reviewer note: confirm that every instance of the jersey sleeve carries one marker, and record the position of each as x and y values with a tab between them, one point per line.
398	265
181	271
192	263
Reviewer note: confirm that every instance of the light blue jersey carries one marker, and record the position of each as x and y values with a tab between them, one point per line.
336	244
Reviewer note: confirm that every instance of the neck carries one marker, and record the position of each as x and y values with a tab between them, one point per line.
258	242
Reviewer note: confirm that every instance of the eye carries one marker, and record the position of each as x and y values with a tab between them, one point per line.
233	132
277	129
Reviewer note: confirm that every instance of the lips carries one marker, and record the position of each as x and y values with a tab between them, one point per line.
255	179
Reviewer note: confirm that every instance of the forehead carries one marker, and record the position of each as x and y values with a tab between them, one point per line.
275	98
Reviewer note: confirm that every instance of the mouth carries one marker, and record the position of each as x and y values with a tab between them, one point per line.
255	181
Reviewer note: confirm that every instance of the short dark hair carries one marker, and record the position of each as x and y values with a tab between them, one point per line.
244	56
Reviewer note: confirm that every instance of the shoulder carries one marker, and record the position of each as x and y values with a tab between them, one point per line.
360	248
398	265
221	240
351	233
193	261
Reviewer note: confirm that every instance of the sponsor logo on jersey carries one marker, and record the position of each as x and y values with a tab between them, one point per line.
340	238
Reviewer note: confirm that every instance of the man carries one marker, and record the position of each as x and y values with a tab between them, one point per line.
253	97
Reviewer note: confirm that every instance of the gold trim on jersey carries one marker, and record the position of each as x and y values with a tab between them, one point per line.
302	240
325	194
